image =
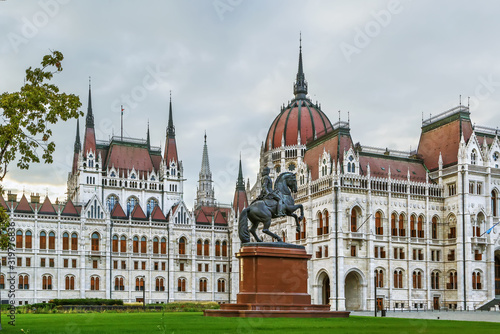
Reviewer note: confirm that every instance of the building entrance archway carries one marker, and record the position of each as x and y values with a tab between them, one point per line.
353	291
324	283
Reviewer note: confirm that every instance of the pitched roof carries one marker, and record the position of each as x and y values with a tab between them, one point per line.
201	217
240	201
170	150
380	166
157	214
219	218
117	212
23	206
2	202
138	214
47	207
127	156
69	209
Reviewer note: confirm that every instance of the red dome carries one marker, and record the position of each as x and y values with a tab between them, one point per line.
301	115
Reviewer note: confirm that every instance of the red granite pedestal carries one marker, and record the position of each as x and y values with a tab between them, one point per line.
273	283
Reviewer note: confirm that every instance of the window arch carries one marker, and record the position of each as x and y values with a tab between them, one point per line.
152	202
203	285
435	280
379	228
398	279
119	286
46	282
160	284
144	245
52	240
402	229
221	285
111	202
123	244
379	278
494	203
394	229
69	282
413	227
156	247
2	281
163	245
206	248
452	280
95	241
74	241
224	248
115	243
182	246
217	248
420	227
476	280
28	241
354	220
135	244
23	282
94	283
131	203
434	227
65	245
199	247
19	239
326	225
181	284
43	240
320	223
139	284
417	279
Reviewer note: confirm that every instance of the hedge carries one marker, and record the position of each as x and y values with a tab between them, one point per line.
87	301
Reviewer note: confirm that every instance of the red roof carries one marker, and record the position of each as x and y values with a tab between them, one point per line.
127	157
219	219
157	215
117	212
201	217
137	213
444	139
89	143
170	150
240	201
156	161
47	207
379	167
299	115
69	209
23	206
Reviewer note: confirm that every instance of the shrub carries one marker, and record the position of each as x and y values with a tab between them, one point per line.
87	301
190	306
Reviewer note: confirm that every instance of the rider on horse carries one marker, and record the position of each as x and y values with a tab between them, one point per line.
267	192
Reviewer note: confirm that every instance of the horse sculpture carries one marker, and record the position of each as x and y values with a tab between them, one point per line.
263	210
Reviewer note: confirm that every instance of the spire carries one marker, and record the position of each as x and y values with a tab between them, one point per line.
205	193
89	122
300	86
240	185
78	145
205	164
170	128
148	140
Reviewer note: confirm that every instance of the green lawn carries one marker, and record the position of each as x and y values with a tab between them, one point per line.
196	323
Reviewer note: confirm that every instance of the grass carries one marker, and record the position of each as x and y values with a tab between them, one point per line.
196	323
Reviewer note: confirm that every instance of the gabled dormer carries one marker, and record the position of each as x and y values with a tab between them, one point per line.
351	162
325	164
302	174
93	209
473	151
493	153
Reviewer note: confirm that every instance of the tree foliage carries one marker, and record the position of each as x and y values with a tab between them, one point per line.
26	117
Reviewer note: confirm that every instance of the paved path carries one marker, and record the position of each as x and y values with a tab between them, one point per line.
443	315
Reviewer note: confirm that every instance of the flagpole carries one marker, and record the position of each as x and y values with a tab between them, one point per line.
121	128
489	230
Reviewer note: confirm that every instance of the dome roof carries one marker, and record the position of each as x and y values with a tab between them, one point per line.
299	117
301	120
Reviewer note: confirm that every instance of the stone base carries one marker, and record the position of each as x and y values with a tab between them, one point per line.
273	284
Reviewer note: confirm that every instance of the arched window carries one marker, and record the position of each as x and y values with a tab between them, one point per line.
135	244
143	245
160	284
379	229
182	246
394	229
206	248
115	243
2	282
435	280
119	286
52	240
221	285
354	220
420	227
43	240
123	244
326	226
203	285
417	279
413	230
379	278
452	284
224	248
181	285
163	245
476	280
434	228
151	205
23	282
131	203
473	157
69	282
74	241
111	202
217	248
28	243
320	224
398	279
94	283
494	203
402	230
19	239
139	283
303	230
95	241
156	248
65	245
46	282
199	247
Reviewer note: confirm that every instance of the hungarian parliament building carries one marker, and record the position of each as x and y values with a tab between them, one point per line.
419	227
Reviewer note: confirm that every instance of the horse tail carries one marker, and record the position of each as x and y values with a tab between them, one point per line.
243	227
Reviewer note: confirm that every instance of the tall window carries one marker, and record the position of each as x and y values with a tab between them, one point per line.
420	227
413	229
434	228
181	285
379	278
494	203
206	248
379	229
320	223
135	244
139	284
163	245
95	241
155	245
417	279
203	285
74	241
28	243
435	280
160	284
224	248
143	245
452	284
119	286
217	248
65	241
402	230
43	240
46	282
2	282
131	203
394	230
326	227
199	246
94	283
476	280
151	205
19	239
115	243
123	244
70	282
182	246
52	240
111	202
354	223
23	282
398	279
221	285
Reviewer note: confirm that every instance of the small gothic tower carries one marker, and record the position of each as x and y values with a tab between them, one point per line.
240	200
205	192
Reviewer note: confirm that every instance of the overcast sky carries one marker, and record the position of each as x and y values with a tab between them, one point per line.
231	64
